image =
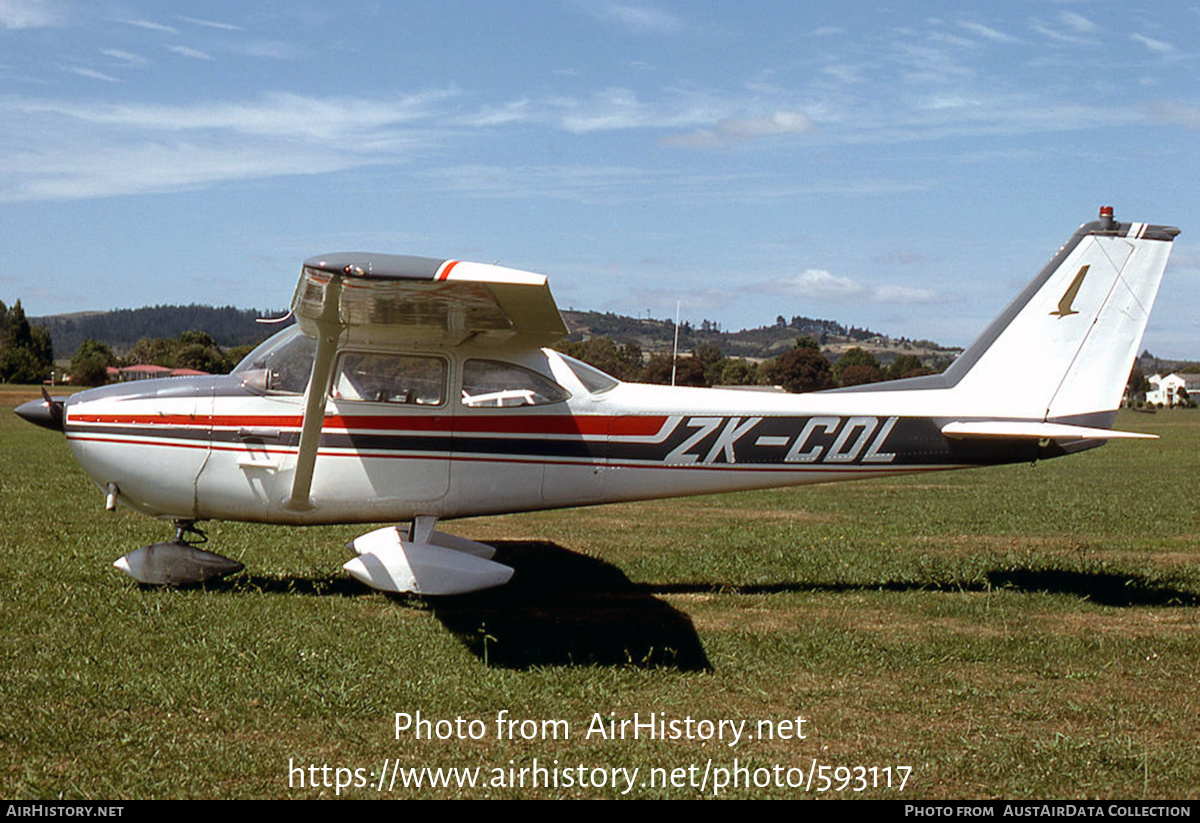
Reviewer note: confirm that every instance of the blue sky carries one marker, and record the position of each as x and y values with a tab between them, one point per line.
903	167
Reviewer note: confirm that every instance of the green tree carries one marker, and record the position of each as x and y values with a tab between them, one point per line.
89	366
855	357
197	350
860	375
689	371
94	348
191	350
1137	385
906	365
739	372
622	362
712	360
26	353
799	370
157	351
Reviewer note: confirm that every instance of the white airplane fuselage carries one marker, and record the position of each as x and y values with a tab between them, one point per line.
210	448
416	389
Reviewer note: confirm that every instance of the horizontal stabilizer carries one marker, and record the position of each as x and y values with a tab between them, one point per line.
1036	430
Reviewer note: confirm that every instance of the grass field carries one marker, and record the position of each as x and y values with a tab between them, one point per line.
1018	632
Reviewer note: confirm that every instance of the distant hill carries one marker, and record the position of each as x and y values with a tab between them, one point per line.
759	343
122	328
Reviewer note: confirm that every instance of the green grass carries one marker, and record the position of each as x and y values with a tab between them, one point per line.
1025	631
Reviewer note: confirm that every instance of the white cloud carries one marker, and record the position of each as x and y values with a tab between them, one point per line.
150	25
735	130
96	150
158	167
128	59
284	115
1078	22
817	284
272	49
515	111
821	285
1058	36
95	75
1182	113
32	14
903	294
988	33
212	24
925	65
844	73
614	109
1154	45
184	51
638	19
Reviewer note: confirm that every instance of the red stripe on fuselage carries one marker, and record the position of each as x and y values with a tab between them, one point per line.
532	424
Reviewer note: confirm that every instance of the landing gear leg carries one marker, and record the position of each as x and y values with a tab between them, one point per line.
188	533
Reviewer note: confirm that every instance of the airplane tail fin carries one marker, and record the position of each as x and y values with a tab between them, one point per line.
1062	351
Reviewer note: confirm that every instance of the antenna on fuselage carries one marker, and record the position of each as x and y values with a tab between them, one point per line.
675	349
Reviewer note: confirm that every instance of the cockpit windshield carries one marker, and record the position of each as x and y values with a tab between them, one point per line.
279	365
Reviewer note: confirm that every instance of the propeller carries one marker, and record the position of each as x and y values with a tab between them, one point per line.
47	412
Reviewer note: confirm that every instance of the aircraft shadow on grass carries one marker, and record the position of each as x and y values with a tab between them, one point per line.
560	608
1103	588
563	608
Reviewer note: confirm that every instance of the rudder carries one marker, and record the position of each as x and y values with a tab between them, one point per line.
1063	349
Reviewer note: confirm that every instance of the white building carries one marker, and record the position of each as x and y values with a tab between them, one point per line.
1172	389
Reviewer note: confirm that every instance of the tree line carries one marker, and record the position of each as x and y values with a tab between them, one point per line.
803	368
191	350
122	328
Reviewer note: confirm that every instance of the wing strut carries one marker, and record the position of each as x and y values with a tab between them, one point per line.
329	329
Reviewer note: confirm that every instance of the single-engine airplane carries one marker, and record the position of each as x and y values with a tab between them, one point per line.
412	390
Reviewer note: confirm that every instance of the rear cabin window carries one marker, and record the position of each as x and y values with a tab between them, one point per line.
490	384
594	380
379	377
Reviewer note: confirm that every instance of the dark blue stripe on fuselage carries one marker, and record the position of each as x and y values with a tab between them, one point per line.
696	441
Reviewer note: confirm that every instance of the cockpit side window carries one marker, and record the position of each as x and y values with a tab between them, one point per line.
384	377
492	384
280	365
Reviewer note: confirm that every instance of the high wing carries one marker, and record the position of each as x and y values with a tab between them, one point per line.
357	296
422	299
